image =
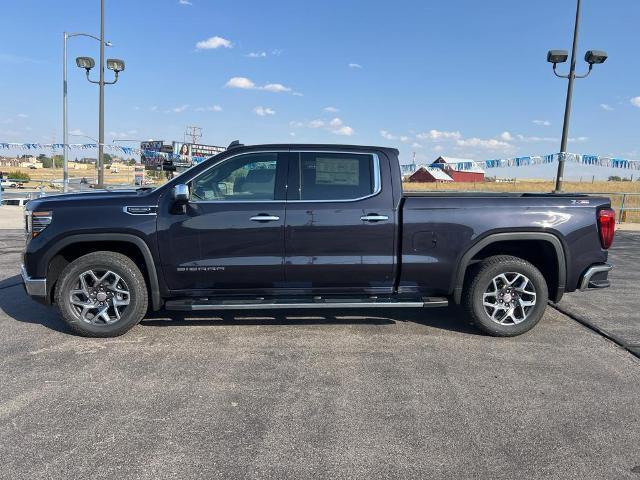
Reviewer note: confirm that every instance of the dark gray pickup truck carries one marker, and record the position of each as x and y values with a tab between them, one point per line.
310	226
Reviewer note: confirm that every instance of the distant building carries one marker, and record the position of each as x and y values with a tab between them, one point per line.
460	169
10	162
430	175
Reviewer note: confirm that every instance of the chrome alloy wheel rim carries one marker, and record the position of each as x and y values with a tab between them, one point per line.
100	297
509	298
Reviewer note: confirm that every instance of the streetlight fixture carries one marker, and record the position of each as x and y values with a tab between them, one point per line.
592	57
112	64
65	134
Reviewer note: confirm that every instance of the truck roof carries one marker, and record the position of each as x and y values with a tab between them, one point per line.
333	146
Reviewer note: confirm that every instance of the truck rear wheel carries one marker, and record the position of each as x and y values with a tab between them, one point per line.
506	296
101	294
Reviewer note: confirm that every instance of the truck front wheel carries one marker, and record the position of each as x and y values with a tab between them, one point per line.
101	294
506	296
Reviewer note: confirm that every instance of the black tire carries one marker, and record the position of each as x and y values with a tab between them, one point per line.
131	280
481	283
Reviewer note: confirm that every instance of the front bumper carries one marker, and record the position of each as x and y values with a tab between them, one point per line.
35	287
596	276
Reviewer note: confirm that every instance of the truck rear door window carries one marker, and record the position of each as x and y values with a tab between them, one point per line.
335	176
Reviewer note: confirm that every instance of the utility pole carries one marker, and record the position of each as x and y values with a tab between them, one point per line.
193	133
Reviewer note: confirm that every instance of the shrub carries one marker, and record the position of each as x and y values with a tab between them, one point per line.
16	175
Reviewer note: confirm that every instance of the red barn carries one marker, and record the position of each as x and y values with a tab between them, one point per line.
460	169
430	175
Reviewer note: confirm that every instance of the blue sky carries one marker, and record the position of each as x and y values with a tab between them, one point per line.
459	77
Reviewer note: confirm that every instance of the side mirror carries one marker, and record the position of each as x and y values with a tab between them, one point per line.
181	194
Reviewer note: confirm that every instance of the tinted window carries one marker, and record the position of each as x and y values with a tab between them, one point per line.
335	176
243	178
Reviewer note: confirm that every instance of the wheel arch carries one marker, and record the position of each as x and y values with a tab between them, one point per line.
75	246
555	274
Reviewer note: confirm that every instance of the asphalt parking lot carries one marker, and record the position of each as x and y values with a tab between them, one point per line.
393	394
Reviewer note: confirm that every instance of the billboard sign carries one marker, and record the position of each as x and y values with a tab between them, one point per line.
198	150
183	150
147	158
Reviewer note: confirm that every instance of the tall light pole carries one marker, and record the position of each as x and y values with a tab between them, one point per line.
65	117
112	64
101	106
592	57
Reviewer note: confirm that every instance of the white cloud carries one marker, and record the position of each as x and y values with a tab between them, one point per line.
542	123
355	65
438	148
338	127
635	101
180	108
404	138
488	144
606	107
213	43
275	87
212	108
154	108
184	2
344	130
246	84
257	54
439	135
23	115
386	135
292	134
76	131
240	82
331	109
276	52
506	136
416	145
264	111
524	138
295	124
335	126
579	139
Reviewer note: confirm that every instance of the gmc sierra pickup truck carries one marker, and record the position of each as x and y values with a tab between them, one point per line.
310	226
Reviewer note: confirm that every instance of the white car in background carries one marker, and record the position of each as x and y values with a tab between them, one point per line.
8	184
15	202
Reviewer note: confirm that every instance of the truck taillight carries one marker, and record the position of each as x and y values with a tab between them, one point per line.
606	226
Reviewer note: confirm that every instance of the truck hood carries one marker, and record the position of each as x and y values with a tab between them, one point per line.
69	199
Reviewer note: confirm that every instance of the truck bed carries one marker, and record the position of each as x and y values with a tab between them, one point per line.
437	227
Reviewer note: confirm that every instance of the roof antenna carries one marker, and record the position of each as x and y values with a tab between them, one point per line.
235	144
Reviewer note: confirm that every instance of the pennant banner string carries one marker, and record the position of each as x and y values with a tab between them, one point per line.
590	160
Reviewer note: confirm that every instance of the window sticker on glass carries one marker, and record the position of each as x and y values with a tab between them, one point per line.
337	171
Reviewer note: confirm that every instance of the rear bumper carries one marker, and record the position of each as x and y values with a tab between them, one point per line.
35	287
596	276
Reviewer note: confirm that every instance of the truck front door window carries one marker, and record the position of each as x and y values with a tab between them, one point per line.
244	178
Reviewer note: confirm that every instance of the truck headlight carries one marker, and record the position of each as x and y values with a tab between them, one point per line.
37	221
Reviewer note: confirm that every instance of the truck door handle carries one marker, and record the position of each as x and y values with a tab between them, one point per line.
374	218
263	217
